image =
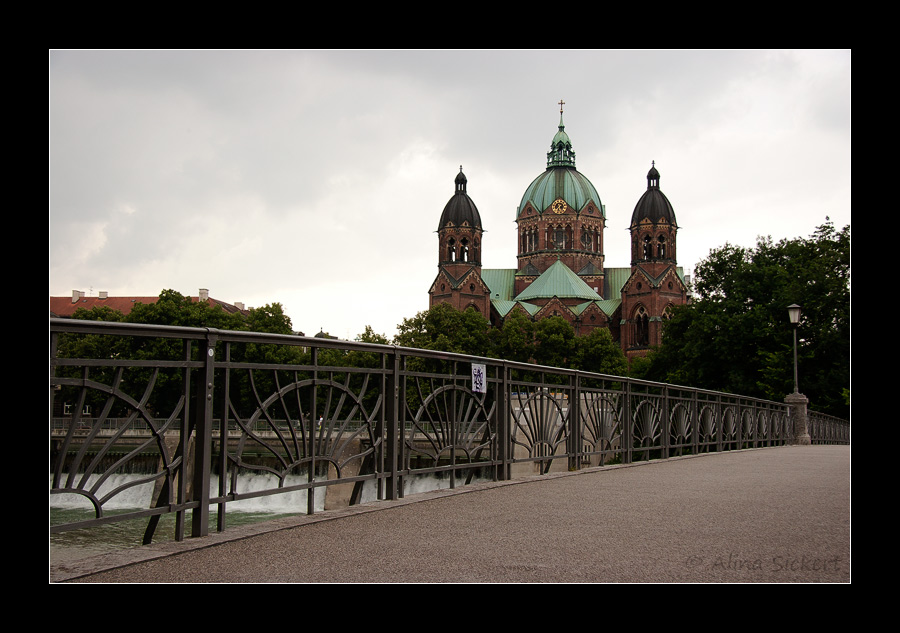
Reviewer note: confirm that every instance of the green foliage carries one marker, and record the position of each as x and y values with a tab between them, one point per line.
554	342
269	318
446	329
599	353
369	336
515	339
550	342
736	337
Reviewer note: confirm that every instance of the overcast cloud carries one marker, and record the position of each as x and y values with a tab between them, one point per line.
316	178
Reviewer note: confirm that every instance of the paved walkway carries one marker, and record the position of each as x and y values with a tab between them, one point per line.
765	515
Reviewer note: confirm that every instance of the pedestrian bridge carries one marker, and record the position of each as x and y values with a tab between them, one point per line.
193	412
778	514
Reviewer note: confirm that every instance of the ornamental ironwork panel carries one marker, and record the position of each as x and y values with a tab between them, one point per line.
447	425
540	424
601	427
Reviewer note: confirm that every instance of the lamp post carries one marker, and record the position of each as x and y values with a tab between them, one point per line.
797	400
794	316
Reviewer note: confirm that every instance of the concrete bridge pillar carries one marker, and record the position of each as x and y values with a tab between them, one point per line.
798	402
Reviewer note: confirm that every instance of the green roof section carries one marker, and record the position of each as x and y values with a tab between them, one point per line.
501	281
614	281
502	306
558	281
609	306
561	182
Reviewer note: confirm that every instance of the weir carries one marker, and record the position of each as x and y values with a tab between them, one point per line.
350	421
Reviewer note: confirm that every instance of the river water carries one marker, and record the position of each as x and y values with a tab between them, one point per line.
86	542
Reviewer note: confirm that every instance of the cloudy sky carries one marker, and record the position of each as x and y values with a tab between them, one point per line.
316	179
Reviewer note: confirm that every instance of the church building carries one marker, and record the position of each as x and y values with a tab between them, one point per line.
561	268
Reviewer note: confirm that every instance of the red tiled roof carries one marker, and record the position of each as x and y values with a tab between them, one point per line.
64	307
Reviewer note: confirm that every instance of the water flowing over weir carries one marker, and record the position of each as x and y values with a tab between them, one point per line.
77	544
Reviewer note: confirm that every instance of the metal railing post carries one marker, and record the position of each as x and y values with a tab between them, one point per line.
628	426
391	421
665	431
720	424
575	432
503	422
695	423
203	437
311	431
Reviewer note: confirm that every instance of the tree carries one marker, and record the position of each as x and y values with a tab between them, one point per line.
599	353
514	340
443	327
554	342
270	318
735	335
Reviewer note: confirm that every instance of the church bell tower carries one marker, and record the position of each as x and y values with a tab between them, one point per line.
459	281
654	285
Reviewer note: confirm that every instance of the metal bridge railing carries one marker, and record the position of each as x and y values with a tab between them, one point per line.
340	420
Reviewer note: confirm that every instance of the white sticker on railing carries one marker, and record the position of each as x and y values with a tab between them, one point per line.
478	378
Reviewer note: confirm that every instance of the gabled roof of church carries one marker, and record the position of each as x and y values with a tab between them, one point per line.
656	281
558	281
455	282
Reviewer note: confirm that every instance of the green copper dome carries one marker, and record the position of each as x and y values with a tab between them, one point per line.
560	180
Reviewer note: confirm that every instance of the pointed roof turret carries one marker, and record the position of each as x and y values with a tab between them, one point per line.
460	208
561	153
653	205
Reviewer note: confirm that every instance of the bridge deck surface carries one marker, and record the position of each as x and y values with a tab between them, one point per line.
763	515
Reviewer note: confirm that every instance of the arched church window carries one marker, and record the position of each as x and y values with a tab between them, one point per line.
451	250
586	240
464	250
661	246
648	247
559	237
641	327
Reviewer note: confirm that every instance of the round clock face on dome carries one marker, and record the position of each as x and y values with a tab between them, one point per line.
559	206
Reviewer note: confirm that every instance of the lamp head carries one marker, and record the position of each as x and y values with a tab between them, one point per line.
794	313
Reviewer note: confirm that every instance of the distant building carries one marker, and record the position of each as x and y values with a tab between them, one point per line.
561	268
65	307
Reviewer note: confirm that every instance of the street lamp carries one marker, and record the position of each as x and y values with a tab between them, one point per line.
794	316
797	401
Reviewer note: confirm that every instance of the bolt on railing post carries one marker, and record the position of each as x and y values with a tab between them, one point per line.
203	437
